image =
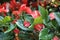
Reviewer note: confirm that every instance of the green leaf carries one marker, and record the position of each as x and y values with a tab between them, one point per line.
43	35
6	19
44	13
10	28
38	20
19	23
8	36
57	17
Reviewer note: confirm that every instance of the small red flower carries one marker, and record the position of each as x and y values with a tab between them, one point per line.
52	16
35	14
16	30
55	38
26	23
39	27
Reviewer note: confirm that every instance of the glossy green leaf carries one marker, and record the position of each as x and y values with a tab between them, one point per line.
57	17
8	36
6	19
43	35
44	13
38	20
10	28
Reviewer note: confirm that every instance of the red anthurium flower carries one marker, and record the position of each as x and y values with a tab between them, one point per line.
24	1
2	10
52	16
26	23
28	10
35	14
39	27
22	7
16	30
55	38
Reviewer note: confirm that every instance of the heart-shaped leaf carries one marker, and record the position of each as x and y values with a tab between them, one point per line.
44	13
57	17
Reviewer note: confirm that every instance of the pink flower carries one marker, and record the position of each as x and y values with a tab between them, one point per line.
52	16
55	38
26	23
35	14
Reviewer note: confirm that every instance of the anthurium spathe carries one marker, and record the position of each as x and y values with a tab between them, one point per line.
39	27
